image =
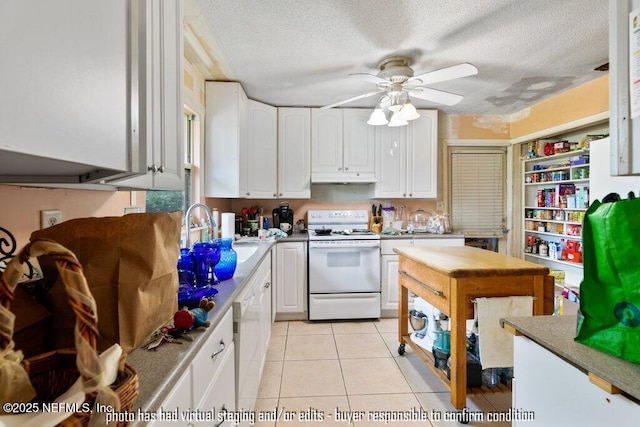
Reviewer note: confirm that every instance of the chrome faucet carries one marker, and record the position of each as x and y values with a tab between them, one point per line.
187	220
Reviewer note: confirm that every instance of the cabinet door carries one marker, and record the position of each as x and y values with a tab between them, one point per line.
291	277
422	156
65	89
262	151
221	394
224	165
294	153
161	116
389	276
326	142
359	143
265	313
179	398
542	382
391	145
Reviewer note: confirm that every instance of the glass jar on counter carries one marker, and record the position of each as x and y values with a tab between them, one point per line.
420	219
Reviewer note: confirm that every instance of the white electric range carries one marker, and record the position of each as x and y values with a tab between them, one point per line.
344	265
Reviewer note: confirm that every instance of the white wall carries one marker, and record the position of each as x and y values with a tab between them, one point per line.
601	182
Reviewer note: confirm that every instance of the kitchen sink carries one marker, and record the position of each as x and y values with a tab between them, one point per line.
244	251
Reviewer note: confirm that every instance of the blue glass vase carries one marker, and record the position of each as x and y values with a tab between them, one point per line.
226	267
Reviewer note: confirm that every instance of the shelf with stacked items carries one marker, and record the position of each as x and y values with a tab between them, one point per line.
556	197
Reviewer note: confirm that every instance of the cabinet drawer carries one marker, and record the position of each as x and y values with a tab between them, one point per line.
221	394
425	283
209	358
427	242
386	246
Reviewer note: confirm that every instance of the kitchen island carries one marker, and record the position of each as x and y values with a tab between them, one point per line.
566	383
449	278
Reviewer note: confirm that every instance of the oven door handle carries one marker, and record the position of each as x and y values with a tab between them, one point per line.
336	245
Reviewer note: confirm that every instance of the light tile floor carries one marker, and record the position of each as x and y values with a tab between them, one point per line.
347	373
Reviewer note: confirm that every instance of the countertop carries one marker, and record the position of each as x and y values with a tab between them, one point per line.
465	261
422	236
556	334
159	370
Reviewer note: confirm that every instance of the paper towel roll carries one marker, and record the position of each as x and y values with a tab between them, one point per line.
215	217
228	227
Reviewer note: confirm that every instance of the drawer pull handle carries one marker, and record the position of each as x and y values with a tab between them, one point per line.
267	285
223	410
219	351
424	285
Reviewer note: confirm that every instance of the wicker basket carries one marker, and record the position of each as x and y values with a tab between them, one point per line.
51	374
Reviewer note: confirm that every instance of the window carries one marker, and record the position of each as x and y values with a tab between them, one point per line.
478	191
170	201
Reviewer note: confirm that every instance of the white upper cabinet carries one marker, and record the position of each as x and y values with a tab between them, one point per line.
79	83
422	156
342	146
262	174
407	159
391	144
160	89
294	153
226	142
254	150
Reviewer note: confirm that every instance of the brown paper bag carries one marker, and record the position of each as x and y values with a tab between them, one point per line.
130	266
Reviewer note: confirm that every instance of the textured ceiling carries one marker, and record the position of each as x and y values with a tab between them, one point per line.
301	52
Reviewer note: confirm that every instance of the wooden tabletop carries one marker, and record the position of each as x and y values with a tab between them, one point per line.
467	261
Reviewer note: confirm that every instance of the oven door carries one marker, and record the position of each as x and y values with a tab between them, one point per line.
342	266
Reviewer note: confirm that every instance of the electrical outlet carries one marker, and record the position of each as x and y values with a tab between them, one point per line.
49	218
440	205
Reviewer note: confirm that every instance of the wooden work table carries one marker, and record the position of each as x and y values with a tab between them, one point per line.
449	278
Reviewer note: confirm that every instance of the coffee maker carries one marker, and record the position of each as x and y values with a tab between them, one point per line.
281	215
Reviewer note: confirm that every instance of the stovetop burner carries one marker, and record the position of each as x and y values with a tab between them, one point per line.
339	225
349	232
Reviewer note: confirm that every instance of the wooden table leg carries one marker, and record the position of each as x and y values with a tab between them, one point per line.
458	344
538	292
403	312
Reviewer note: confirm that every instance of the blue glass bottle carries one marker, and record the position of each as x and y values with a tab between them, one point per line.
228	260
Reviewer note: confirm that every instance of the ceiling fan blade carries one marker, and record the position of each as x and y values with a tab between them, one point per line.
443	74
435	95
366	95
370	78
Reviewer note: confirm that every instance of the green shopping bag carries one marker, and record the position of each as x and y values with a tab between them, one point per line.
609	316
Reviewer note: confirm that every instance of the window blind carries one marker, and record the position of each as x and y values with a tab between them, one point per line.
478	191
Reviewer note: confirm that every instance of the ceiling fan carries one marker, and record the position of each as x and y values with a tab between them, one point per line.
396	83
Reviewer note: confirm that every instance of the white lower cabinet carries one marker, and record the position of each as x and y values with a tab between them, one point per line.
180	399
208	383
221	395
389	264
291	279
252	328
557	393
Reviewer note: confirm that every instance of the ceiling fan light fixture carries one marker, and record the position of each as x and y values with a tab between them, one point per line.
397	121
396	101
377	118
408	112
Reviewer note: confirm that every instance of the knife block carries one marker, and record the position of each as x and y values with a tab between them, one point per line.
375	224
